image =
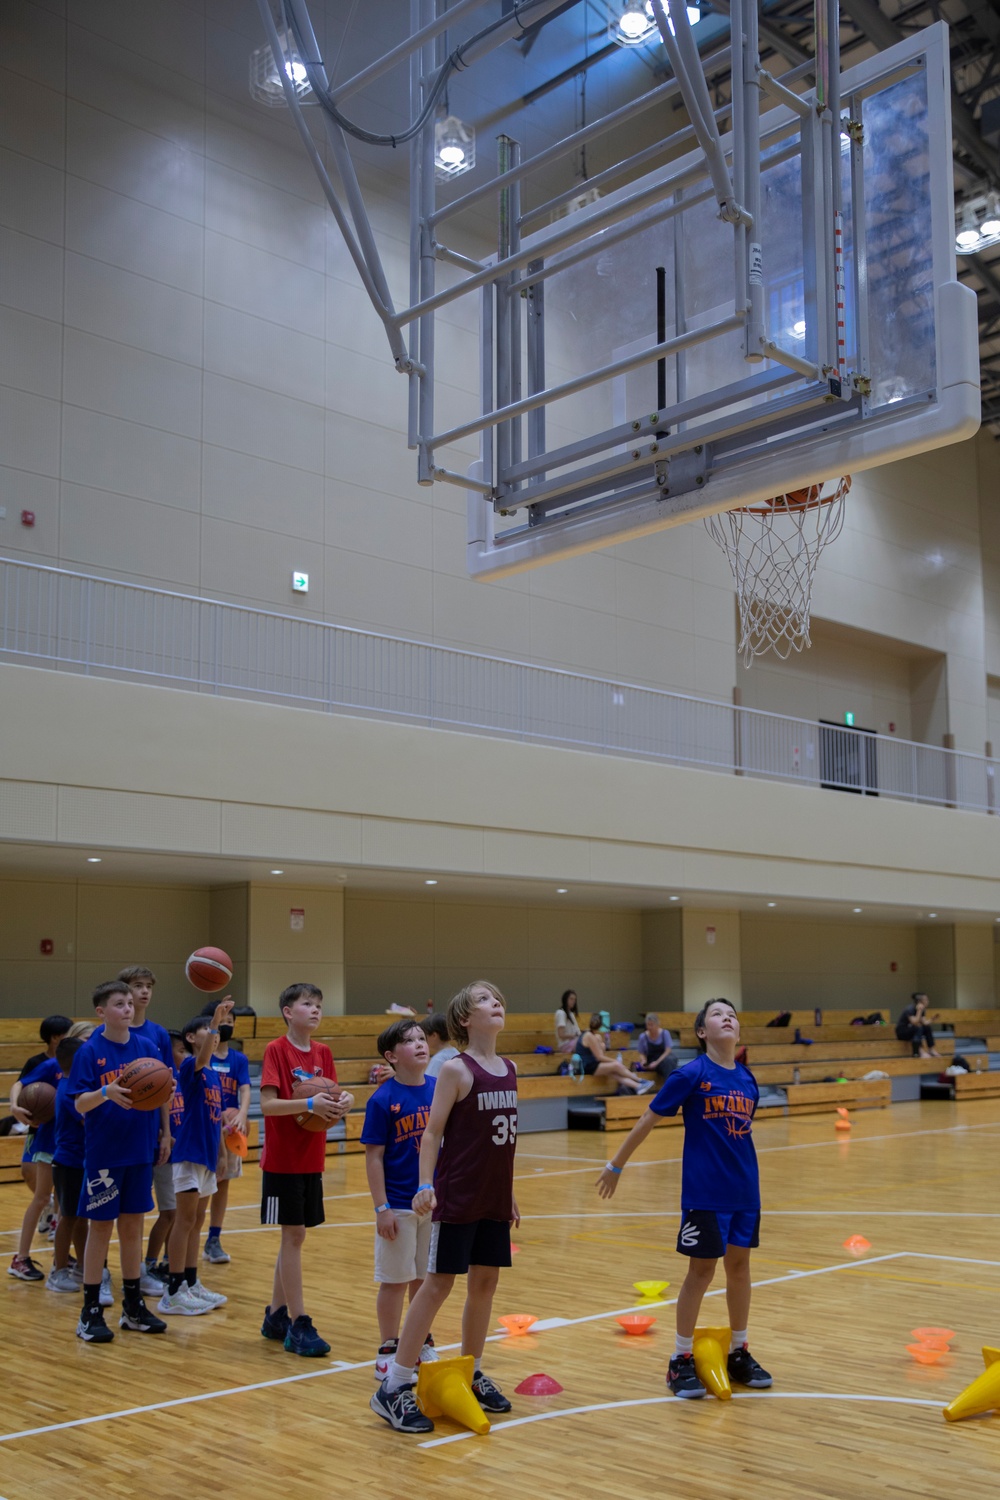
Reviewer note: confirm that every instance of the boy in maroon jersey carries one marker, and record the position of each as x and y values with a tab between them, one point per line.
293	1159
469	1190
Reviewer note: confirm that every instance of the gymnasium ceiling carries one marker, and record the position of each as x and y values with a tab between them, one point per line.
565	71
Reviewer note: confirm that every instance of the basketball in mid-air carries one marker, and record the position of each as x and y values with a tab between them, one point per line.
209	969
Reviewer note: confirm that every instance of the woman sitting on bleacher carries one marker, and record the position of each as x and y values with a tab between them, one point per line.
913	1026
655	1046
567	1022
593	1055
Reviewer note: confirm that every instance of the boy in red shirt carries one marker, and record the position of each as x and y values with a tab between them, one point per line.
293	1159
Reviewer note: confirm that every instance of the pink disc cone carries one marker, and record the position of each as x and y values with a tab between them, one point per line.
538	1385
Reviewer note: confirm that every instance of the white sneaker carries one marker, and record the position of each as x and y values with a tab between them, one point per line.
150	1286
182	1303
427	1354
47	1222
107	1293
210	1299
62	1280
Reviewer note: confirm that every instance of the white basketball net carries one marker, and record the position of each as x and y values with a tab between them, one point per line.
773	549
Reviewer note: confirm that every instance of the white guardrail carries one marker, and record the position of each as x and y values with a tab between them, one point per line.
67	621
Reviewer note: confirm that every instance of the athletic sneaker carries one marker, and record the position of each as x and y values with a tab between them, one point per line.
488	1394
141	1320
384	1358
428	1353
276	1324
157	1273
25	1269
162	1269
210	1299
400	1409
150	1286
107	1291
62	1280
682	1378
214	1252
745	1370
182	1303
303	1339
645	1087
47	1222
76	1271
92	1327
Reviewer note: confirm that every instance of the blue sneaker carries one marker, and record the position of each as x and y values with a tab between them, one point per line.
302	1338
276	1324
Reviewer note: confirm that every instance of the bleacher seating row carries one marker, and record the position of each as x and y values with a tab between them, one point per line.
816	1067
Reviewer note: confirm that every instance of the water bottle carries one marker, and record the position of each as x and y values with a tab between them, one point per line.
575	1065
818	1016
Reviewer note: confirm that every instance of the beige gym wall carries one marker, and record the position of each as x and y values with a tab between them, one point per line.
796	963
200	396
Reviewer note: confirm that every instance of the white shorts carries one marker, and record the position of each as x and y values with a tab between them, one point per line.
405	1257
194	1177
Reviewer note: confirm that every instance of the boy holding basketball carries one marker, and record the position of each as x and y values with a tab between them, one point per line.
141	983
466	1184
36	1158
395	1119
119	1150
293	1159
196	1153
720	1189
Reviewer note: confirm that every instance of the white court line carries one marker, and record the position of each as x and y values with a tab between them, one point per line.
578	1411
343	1368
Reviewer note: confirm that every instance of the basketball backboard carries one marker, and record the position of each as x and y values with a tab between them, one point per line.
874	340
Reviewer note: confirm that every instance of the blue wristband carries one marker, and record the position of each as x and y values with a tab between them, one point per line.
309	1104
426	1187
104	1091
611	1168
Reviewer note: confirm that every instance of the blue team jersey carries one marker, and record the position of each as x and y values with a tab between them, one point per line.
719	1168
149	1031
395	1117
46	1071
200	1127
113	1137
69	1129
233	1071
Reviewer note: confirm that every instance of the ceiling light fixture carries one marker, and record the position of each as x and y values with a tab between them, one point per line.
772	903
977	224
633	23
561	890
277	872
92	859
454	148
265	79
857	908
430	882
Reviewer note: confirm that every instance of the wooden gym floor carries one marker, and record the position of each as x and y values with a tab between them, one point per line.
211	1408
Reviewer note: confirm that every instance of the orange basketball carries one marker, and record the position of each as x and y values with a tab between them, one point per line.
39	1099
305	1089
209	969
149	1081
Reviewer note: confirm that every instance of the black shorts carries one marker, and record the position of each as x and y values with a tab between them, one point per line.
292	1198
705	1234
456	1247
68	1184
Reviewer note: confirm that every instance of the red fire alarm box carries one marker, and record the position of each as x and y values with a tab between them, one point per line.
46	945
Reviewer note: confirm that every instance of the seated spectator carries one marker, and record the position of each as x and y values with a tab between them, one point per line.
914	1027
567	1022
593	1054
435	1029
655	1046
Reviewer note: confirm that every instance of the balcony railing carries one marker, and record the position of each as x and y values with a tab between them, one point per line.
67	621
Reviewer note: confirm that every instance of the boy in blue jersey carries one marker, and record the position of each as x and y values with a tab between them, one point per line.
234	1078
141	982
196	1151
36	1158
720	1189
119	1148
395	1117
67	1178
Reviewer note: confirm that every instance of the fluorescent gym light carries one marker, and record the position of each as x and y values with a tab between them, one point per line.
454	148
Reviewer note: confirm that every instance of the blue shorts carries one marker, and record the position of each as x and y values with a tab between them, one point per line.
704	1234
108	1192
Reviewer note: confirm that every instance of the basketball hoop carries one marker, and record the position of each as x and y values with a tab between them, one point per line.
773	549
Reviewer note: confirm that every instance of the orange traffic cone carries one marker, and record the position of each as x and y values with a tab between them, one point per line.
982	1395
444	1389
711	1354
843	1121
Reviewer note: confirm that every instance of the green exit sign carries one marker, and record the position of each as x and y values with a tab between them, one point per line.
849	720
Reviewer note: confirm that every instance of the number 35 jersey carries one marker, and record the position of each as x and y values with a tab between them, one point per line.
474	1178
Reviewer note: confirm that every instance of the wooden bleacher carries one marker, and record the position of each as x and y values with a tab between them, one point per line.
804	1071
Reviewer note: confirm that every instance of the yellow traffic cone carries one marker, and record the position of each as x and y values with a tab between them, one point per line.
982	1395
711	1354
444	1389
